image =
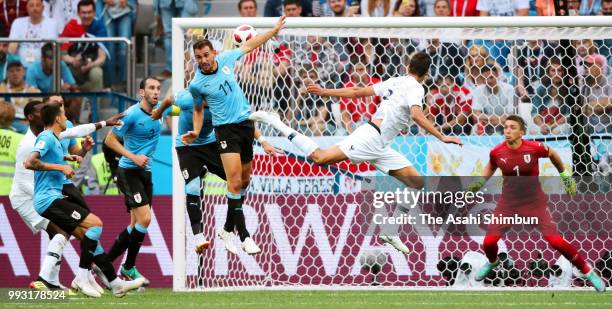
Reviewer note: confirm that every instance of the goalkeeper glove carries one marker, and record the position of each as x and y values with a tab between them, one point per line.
568	183
476	185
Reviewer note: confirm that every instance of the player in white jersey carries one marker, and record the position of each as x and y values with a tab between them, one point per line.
22	192
402	99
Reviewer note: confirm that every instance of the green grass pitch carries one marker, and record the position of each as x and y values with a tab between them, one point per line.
166	299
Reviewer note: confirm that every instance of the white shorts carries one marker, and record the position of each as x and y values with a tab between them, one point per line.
365	144
24	205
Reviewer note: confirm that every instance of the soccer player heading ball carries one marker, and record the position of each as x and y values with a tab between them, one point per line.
524	196
402	99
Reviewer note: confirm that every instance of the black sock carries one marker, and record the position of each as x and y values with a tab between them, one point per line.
88	246
136	239
229	219
236	206
105	265
120	245
194	210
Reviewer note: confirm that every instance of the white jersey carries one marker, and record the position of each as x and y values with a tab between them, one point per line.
398	95
567	272
477	260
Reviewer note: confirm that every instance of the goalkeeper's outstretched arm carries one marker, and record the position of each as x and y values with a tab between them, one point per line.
264	37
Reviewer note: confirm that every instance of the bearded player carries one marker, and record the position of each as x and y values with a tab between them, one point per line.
523	196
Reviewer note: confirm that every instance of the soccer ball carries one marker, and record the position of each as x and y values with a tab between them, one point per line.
373	261
242	34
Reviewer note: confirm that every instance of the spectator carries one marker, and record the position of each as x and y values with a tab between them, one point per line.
450	106
165	10
427	7
325	57
463	8
606	7
441	8
477	58
11	10
531	60
86	59
312	112
118	16
378	8
584	48
60	11
358	110
247	8
35	26
15	83
10	140
283	96
545	7
275	8
406	8
590	7
573	7
39	74
597	91
292	8
338	8
503	7
549	102
492	102
5	59
447	55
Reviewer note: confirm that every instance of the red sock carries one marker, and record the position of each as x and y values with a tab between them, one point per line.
490	247
569	252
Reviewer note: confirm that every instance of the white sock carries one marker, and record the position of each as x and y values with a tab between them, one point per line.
49	270
304	143
199	238
83	274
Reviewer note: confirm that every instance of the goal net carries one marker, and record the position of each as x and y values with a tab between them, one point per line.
315	224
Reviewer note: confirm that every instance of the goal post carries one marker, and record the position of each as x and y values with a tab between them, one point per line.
311	222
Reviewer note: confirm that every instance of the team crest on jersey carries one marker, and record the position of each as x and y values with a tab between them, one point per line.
40	144
527	158
223	144
137	198
226	70
185	174
76	215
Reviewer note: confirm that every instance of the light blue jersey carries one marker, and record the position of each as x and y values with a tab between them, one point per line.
225	98
67	143
184	101
48	184
140	134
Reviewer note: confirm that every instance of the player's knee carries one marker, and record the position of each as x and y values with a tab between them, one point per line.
245	182
234	183
145	220
94	220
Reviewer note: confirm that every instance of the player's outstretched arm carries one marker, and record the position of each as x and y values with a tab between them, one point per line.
264	37
420	119
113	143
33	163
87	129
350	92
267	147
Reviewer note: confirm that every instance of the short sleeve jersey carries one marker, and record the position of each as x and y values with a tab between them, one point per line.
140	134
48	184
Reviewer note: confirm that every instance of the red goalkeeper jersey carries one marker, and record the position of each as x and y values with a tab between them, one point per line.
523	161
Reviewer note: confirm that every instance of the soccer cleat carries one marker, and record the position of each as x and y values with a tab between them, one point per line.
250	247
94	283
201	247
485	270
134	274
85	288
264	117
228	240
98	272
43	285
396	242
121	287
598	284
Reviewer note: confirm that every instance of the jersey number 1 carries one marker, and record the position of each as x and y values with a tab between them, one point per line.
516	168
221	87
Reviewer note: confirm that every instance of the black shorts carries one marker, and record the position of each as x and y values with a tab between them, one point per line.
74	195
136	185
66	214
237	138
193	158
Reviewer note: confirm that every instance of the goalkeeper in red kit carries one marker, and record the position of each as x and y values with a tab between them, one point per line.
523	196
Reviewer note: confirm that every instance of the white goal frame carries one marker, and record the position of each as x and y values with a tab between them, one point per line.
179	25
